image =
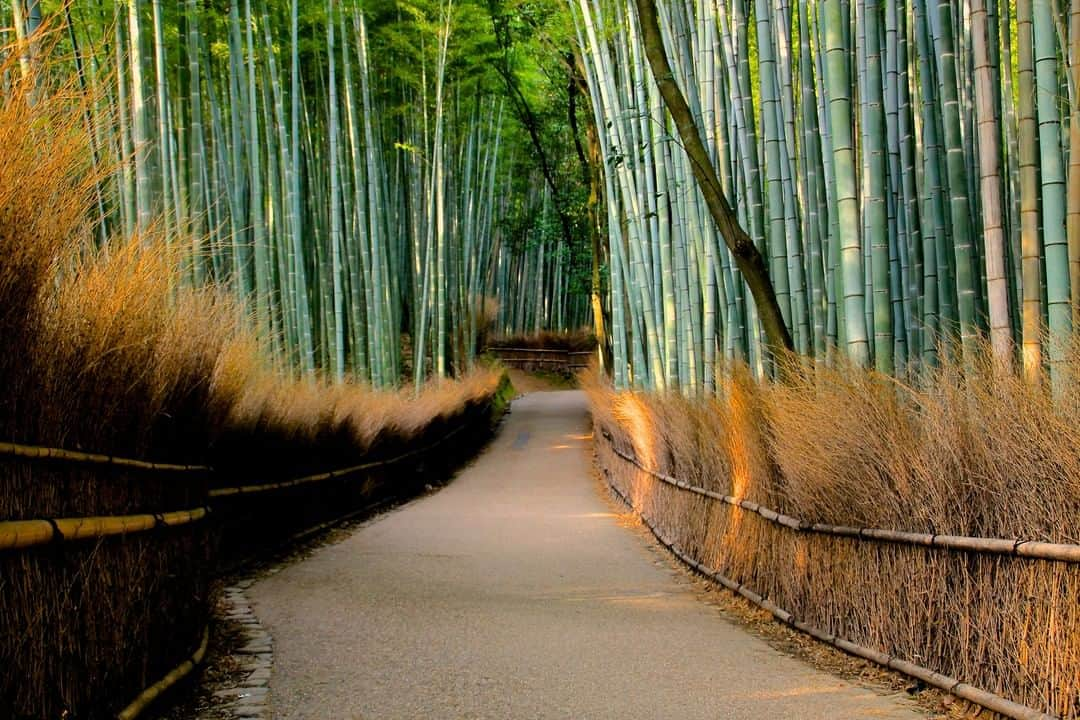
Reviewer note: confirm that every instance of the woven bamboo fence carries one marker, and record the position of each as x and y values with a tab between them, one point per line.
993	546
776	563
184	544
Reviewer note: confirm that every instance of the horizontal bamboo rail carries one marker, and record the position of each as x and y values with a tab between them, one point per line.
534	361
178	673
17	534
981	697
21	534
541	351
32	452
1030	549
567	360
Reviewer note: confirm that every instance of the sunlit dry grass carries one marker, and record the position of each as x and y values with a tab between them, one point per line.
971	450
277	427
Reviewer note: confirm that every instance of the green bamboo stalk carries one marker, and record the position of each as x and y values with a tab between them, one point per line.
1073	214
140	135
337	343
1052	173
767	74
129	212
990	183
195	227
838	89
165	150
958	177
262	271
874	205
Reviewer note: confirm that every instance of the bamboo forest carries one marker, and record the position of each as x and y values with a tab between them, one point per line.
903	170
343	340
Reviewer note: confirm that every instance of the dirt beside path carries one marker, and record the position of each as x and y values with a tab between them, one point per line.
514	593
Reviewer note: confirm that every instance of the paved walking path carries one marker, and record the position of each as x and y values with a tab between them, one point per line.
513	593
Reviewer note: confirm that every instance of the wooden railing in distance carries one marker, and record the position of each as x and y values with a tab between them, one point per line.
565	362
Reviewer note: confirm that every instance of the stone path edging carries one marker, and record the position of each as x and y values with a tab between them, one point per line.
250	698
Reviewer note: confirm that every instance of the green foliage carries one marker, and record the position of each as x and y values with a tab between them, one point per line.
309	192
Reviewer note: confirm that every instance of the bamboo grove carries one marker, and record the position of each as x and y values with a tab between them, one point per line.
350	187
904	168
537	287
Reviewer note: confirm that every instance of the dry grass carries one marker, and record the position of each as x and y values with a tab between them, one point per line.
279	429
95	357
577	341
108	352
971	451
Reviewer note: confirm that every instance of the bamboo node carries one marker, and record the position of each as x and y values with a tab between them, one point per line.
57	533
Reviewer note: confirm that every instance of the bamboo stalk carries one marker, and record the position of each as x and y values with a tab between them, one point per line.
990	186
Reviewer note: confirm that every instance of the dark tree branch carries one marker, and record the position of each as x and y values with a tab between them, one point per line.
572	90
747	257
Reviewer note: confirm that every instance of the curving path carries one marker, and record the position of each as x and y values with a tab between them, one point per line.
514	593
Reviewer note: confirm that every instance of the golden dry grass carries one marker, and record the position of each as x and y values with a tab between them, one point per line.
92	360
109	352
971	451
279	428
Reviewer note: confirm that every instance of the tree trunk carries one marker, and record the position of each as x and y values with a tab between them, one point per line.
592	173
596	192
747	257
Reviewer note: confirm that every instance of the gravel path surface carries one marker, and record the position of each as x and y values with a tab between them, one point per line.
514	593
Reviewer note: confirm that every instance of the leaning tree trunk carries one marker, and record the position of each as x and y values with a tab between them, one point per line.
747	257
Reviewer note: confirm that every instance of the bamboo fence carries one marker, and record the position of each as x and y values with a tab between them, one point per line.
33	452
981	697
996	546
564	361
1031	549
343	472
178	673
17	535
